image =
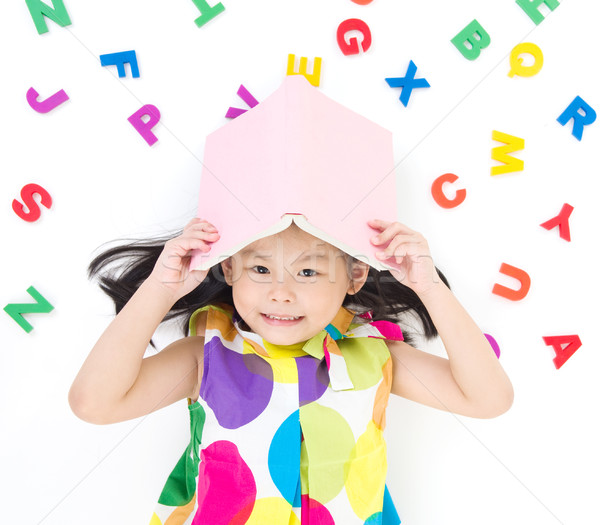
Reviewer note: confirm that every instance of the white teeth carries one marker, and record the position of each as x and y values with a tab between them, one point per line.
282	318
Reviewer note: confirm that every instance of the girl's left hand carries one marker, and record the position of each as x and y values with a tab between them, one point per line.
409	251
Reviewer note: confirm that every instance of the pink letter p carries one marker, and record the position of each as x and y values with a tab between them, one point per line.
144	128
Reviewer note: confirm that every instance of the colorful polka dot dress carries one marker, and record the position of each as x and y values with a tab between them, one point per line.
286	435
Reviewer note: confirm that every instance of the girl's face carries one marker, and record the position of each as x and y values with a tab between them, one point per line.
288	287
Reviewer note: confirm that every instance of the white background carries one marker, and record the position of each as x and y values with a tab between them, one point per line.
538	463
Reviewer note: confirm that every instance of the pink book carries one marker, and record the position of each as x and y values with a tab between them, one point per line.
297	156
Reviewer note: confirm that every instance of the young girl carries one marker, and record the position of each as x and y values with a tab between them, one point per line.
287	369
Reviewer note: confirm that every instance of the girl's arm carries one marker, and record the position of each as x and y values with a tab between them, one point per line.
471	382
115	382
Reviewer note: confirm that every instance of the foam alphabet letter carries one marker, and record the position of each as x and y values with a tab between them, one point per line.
314	78
563	353
207	13
41	306
145	128
574	111
493	344
27	193
516	62
408	83
531	7
57	13
247	97
351	47
45	106
471	40
438	193
562	221
519	275
119	60
500	153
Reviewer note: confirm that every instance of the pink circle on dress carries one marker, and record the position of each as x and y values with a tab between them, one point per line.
315	512
226	485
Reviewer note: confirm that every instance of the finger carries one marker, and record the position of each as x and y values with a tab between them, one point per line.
192	222
181	246
396	240
397	253
201	231
202	235
382	224
184	247
205	226
200	224
394	231
378	224
389	229
384	257
401	245
386	235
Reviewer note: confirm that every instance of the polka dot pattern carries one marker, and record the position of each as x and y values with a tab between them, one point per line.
329	441
287	439
375	519
226	485
365	368
236	387
312	378
272	510
314	513
284	459
366	471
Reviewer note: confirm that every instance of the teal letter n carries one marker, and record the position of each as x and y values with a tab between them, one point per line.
57	13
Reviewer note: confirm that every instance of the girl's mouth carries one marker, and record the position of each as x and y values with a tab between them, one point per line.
281	319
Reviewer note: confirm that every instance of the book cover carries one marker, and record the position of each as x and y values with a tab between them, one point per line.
297	156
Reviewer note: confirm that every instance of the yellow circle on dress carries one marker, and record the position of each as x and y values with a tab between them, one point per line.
272	510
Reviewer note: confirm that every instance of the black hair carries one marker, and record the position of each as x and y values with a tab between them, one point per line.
121	270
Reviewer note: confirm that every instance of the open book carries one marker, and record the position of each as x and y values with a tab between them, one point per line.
297	156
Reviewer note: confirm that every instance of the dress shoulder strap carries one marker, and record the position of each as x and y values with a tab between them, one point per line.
207	310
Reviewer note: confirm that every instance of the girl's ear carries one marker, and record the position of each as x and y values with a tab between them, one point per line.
359	271
227	271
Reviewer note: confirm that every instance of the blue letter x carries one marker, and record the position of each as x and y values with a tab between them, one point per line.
407	83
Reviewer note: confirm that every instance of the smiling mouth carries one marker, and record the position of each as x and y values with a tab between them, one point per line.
282	318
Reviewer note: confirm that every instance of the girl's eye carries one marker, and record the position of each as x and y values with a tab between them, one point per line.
306	272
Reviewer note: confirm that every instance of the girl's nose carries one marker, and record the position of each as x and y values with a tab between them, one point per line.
282	290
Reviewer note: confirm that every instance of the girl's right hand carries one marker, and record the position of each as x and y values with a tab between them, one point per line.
172	267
